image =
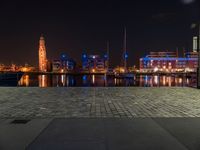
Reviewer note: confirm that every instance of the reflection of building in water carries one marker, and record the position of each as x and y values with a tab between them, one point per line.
24	81
63	64
93	79
157	81
63	80
94	63
170	81
42	80
169	62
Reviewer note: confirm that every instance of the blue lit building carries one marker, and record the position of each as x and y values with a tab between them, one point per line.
94	63
169	62
65	63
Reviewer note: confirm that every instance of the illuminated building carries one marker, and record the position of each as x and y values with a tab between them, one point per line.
94	63
67	63
49	66
119	69
63	64
2	67
27	68
169	62
42	55
56	66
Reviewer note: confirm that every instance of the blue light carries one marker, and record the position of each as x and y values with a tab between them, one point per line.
84	77
84	56
63	57
126	56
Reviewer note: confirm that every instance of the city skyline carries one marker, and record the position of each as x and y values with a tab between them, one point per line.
71	29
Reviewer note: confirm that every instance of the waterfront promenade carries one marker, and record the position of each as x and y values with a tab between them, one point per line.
99	102
100	118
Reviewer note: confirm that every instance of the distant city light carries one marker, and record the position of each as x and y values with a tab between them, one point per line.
84	77
155	69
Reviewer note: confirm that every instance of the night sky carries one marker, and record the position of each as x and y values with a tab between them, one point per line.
72	26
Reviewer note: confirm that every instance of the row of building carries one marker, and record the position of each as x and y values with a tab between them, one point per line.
154	62
90	63
14	68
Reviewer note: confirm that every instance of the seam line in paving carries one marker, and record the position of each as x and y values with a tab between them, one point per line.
45	128
106	135
171	134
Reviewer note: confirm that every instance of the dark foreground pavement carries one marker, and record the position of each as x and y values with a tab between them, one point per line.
116	118
101	134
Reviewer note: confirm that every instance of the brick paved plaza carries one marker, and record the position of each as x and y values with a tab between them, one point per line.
99	102
110	118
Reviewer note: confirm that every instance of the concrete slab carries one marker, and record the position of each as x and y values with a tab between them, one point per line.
186	130
71	134
105	134
2	120
18	136
139	134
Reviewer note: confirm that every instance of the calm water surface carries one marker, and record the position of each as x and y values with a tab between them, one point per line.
101	80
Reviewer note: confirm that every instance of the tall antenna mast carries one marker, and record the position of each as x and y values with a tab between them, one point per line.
177	52
108	54
125	51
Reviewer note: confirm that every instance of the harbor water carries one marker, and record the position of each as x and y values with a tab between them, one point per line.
105	81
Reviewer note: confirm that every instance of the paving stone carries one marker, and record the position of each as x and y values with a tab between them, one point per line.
34	102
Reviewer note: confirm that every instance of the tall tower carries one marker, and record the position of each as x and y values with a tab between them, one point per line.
42	55
195	42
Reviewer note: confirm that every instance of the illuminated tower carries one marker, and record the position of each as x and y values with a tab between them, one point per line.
42	55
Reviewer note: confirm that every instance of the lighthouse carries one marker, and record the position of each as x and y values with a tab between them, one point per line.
42	55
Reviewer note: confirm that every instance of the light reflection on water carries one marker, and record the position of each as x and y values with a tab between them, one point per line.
102	80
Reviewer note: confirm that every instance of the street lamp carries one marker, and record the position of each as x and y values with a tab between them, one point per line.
198	50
